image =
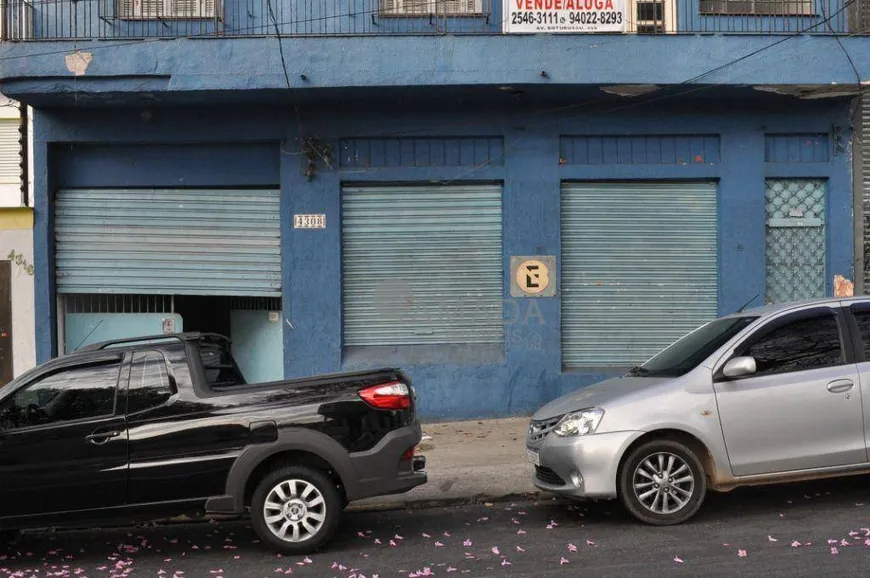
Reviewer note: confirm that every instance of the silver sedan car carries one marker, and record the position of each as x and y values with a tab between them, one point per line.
774	394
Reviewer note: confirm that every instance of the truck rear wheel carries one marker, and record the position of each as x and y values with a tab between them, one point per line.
296	509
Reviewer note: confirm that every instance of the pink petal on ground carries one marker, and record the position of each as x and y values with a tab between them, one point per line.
563	561
741	553
451	569
521	532
834	551
771	538
482	519
425	535
831	541
572	548
853	533
308	560
377	541
467	543
678	560
392	543
867	542
520	549
439	545
495	550
505	562
590	543
397	537
360	534
521	513
844	542
446	534
549	526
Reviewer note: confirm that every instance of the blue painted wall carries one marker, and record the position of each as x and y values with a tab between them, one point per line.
459	382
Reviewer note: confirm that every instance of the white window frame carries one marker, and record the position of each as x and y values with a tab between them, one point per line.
166	9
404	8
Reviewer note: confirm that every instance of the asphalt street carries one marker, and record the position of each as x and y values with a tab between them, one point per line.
819	529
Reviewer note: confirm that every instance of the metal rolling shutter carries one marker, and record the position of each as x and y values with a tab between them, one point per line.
422	265
639	268
10	153
182	242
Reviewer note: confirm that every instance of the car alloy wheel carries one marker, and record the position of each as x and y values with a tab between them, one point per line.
662	482
296	509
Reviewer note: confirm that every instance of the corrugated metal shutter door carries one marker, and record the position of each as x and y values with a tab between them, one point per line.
181	242
422	265
10	153
639	268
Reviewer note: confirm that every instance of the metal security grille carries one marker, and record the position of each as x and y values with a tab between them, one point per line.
168	242
422	265
639	268
795	239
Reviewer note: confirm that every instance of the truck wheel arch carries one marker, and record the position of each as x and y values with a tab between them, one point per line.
255	460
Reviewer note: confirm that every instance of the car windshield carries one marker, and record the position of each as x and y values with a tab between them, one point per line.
685	354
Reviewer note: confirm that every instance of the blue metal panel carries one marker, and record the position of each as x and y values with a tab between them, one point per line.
421	152
797	148
795	240
258	344
639	268
422	264
161	241
81	329
639	150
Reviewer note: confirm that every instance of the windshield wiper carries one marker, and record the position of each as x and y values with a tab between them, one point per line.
638	370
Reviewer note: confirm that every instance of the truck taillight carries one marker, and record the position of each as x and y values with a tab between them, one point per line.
393	395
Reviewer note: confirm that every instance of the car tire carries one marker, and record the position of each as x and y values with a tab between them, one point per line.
309	514
676	497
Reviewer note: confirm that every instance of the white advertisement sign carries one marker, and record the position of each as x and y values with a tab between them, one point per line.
563	16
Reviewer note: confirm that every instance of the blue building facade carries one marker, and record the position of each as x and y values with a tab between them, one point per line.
508	217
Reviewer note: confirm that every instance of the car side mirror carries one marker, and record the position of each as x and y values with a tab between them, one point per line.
739	367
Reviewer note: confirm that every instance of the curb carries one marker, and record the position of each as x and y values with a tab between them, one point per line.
430	503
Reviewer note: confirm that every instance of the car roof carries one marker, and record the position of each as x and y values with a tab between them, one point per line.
773	308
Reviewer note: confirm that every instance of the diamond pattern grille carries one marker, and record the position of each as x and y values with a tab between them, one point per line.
795	239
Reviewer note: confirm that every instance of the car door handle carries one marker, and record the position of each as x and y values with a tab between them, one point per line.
841	385
101	437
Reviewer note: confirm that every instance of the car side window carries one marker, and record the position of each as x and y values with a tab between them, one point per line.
862	320
68	395
149	382
809	343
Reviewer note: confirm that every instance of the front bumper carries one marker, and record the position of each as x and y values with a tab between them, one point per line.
582	466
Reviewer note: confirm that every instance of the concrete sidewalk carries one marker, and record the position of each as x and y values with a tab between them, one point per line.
468	461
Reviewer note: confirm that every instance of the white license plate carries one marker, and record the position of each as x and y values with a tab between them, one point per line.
534	457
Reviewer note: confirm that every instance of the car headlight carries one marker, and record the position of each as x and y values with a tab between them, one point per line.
579	423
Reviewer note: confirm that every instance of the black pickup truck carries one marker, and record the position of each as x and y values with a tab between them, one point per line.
157	427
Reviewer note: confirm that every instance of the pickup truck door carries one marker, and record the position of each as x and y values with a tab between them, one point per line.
181	448
63	441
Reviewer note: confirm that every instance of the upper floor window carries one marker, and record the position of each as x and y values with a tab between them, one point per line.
67	395
758	7
427	7
169	9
